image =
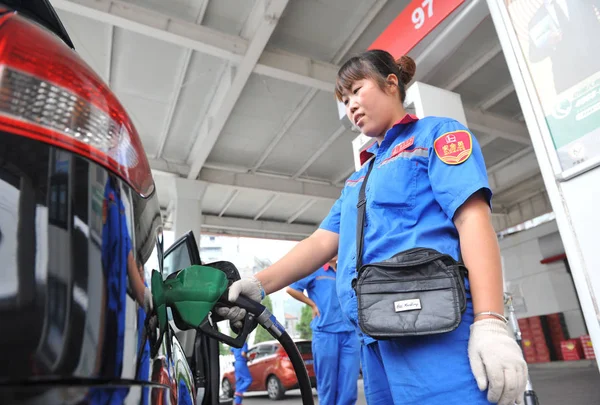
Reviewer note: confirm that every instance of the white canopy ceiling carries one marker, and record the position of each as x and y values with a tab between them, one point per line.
239	94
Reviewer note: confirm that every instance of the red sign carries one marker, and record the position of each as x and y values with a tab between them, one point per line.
413	24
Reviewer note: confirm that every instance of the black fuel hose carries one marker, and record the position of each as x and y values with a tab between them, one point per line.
268	321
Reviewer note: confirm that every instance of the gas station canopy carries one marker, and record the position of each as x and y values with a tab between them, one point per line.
237	95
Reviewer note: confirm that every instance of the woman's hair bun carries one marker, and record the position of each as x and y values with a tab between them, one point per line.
408	67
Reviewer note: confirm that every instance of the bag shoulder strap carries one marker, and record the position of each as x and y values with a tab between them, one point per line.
361	208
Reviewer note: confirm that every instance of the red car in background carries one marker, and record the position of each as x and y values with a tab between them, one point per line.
272	370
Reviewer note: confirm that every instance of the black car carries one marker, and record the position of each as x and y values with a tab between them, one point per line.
81	232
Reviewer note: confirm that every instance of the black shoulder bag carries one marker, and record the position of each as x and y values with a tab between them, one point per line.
418	291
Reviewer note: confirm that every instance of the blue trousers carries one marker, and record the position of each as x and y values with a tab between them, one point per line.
425	370
243	379
337	366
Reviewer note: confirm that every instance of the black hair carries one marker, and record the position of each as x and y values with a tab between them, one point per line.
375	64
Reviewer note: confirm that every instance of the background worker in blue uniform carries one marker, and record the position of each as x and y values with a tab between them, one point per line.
335	346
243	379
120	271
428	188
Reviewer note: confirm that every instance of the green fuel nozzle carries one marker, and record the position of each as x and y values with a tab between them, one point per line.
191	294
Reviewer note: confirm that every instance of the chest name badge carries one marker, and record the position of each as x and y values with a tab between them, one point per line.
403	146
407	305
453	148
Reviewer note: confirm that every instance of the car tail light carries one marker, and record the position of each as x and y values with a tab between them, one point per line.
48	93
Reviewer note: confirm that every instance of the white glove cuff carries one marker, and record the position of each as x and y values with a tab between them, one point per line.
148	303
491	325
260	287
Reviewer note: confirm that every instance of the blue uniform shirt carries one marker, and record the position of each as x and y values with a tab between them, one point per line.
237	353
321	289
412	195
116	245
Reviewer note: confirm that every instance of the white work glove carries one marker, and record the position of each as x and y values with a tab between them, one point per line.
148	303
249	287
497	362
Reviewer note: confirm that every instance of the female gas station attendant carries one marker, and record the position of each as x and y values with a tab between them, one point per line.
417	195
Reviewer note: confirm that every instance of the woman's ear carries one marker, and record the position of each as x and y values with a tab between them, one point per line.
392	79
392	84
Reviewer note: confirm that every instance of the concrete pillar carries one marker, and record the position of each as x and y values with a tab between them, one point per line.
187	216
187	205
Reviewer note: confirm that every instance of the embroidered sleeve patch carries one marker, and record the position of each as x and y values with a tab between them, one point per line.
453	148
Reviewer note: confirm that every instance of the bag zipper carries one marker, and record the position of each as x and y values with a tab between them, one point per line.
407	264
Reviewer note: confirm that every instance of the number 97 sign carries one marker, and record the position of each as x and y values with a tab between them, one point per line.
418	15
413	24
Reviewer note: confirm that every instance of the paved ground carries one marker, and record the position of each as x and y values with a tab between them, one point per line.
572	384
569	384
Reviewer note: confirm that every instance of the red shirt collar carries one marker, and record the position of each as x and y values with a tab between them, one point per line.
326	266
407	119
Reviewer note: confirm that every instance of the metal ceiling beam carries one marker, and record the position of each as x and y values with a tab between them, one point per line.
221	90
237	182
291	119
166	167
187	58
301	211
229	201
253	21
450	38
508	203
266	206
485	140
111	42
270	12
297	69
274	63
202	12
282	186
477	126
496	97
507	175
536	205
181	169
524	155
489	123
214	224
324	146
277	64
365	22
473	66
518	185
243	170
527	197
157	25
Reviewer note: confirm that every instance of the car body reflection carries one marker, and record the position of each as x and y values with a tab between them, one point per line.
78	247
